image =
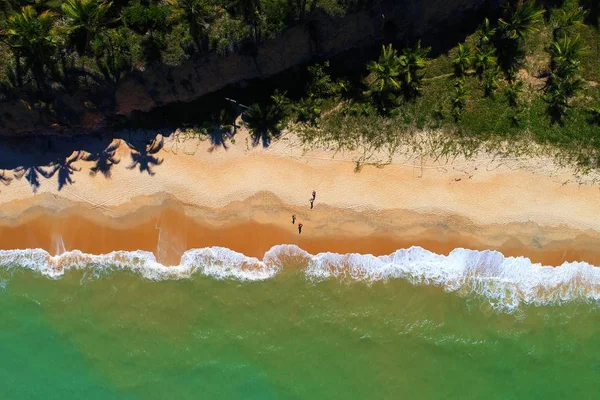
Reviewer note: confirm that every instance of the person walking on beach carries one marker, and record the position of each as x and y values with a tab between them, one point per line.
299	228
314	194
293	218
311	203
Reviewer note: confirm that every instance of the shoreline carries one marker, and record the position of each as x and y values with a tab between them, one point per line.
195	195
170	229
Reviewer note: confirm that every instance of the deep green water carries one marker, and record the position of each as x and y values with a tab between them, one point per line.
123	336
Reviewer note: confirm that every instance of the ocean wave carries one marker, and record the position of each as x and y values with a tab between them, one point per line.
506	282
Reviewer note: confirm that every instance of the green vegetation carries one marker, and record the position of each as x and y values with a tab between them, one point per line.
546	73
527	82
73	43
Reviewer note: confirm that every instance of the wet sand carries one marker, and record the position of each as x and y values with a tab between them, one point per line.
169	230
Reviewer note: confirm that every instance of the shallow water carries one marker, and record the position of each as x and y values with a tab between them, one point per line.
101	333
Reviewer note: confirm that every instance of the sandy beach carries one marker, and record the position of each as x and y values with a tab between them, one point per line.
179	192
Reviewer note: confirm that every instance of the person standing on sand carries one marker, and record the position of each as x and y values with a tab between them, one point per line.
299	228
293	218
311	203
314	195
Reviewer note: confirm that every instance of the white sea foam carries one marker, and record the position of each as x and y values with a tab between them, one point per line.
506	282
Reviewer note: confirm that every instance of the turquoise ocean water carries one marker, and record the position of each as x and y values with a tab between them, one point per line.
412	325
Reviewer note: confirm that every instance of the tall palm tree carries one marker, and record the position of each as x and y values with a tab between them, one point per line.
30	36
463	60
84	19
412	61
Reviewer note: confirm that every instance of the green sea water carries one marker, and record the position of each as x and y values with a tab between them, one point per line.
119	335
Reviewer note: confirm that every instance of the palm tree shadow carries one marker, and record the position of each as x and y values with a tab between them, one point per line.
65	169
143	155
32	174
263	137
218	138
4	179
104	159
221	128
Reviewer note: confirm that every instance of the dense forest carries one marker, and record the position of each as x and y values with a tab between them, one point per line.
525	81
64	42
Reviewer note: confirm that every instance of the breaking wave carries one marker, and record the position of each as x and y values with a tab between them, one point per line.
506	282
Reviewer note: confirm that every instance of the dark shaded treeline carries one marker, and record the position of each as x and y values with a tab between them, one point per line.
166	95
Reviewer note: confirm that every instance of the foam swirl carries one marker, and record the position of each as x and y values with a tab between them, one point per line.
506	282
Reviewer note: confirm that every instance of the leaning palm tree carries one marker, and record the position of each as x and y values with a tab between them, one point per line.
462	61
30	36
412	61
84	19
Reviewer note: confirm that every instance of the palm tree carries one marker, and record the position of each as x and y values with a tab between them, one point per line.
462	61
513	91
412	60
384	72
559	90
250	10
84	19
520	19
565	52
309	110
198	14
383	79
567	18
485	59
459	101
264	121
486	33
30	36
491	82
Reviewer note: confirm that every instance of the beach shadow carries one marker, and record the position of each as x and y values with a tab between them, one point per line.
32	174
104	160
143	155
221	128
5	179
65	169
264	137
